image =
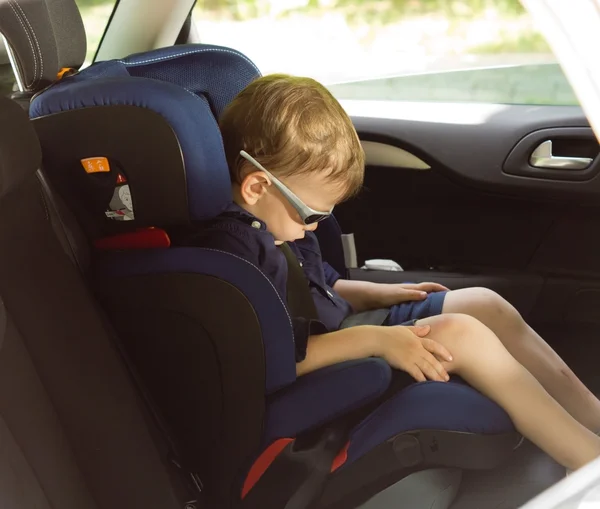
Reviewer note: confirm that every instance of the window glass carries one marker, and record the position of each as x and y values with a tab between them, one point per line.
7	77
410	50
95	15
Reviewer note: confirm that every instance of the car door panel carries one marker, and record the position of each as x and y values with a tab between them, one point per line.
474	153
466	221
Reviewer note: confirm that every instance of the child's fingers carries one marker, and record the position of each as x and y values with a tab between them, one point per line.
416	373
426	287
433	287
436	349
432	368
405	295
420	330
428	370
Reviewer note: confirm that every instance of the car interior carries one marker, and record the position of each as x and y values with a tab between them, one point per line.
140	373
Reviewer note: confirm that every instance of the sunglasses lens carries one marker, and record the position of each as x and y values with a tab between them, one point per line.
316	218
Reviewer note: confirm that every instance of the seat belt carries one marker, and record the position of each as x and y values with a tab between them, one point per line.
299	298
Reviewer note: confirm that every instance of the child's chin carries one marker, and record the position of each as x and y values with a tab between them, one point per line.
294	238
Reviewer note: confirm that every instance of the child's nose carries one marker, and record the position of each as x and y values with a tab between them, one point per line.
312	227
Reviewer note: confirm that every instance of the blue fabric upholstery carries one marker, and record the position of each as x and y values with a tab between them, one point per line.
214	72
272	315
172	83
329	234
447	406
323	395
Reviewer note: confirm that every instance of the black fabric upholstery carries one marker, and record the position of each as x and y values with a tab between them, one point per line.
20	153
45	36
73	430
65	226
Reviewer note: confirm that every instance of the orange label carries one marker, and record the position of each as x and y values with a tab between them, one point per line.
64	71
95	165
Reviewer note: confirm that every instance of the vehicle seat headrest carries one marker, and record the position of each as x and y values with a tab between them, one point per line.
46	36
214	72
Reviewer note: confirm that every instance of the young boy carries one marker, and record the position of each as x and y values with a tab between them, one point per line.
293	154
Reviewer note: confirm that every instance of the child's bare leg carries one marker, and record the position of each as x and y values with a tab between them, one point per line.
480	358
529	349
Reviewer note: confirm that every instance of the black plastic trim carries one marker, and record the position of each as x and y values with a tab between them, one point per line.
472	154
352	486
517	162
297	476
69	136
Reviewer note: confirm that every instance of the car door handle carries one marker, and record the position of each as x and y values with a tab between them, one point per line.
542	158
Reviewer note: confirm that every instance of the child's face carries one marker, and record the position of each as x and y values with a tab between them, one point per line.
263	200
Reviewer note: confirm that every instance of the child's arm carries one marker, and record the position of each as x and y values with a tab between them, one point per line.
403	347
364	295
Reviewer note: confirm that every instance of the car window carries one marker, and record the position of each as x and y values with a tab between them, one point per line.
409	50
95	15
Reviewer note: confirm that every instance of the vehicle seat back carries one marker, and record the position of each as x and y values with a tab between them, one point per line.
74	432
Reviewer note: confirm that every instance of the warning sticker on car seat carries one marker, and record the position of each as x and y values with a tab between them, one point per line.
96	165
120	207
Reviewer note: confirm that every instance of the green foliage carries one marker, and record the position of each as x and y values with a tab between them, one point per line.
526	42
453	8
379	11
384	10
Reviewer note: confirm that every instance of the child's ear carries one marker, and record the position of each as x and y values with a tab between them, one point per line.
253	187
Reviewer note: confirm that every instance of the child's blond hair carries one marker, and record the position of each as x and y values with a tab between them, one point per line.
293	125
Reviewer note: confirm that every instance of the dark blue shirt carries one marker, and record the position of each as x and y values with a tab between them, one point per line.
238	232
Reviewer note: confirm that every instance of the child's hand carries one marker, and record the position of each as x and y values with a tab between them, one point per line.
364	295
408	291
390	294
405	348
420	290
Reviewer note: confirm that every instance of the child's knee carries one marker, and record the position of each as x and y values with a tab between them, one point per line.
486	303
454	325
462	335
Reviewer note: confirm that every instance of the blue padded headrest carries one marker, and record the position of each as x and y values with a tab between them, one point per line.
214	72
188	86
